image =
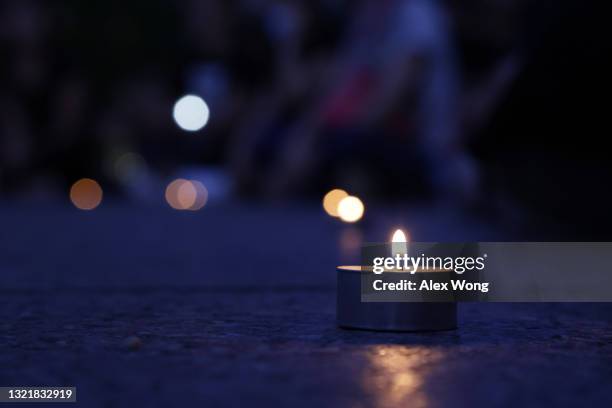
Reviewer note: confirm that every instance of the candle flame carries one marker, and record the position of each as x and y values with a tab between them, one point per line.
399	236
399	243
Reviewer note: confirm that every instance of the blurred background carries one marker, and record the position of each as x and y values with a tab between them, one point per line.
491	107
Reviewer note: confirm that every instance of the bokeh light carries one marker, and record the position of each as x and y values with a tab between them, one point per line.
191	113
186	195
129	165
350	209
331	201
182	194
201	196
86	194
172	193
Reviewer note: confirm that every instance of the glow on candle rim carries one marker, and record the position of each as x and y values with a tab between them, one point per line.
358	268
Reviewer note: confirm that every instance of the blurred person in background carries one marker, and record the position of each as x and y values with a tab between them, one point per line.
463	101
543	143
385	116
79	87
304	38
24	71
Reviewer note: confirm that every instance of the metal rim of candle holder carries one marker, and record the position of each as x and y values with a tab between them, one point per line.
352	313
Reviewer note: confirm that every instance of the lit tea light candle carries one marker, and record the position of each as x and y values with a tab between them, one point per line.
388	315
399	243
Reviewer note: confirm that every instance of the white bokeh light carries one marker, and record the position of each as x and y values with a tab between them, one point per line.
350	209
191	113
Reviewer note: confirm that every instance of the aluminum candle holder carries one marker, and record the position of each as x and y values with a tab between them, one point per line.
353	313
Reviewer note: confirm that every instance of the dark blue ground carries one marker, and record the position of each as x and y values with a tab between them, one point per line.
234	306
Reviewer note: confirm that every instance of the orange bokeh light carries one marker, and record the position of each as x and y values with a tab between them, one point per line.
172	193
182	194
186	195
331	201
86	194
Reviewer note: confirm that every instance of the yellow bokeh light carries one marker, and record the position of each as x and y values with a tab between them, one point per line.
331	201
86	194
350	209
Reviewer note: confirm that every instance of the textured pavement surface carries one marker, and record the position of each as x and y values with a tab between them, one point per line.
220	308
